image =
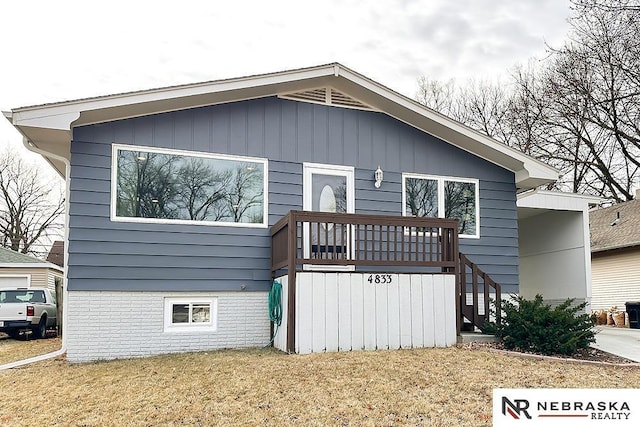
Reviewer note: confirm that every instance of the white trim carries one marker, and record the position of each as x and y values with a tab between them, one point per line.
335	170
308	169
440	179
211	326
546	199
114	185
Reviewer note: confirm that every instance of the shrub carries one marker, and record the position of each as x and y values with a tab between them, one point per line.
532	326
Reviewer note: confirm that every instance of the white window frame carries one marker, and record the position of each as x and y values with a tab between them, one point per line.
114	186
441	208
322	169
210	326
308	169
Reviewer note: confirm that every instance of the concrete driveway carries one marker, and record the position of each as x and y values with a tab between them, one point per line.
622	342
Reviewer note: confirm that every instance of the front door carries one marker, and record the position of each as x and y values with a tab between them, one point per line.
328	188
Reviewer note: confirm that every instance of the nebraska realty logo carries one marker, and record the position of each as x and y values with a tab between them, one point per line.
574	407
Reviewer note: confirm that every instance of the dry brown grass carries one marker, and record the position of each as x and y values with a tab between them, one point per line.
430	387
12	350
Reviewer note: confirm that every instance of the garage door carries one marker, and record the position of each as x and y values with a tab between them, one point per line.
14	281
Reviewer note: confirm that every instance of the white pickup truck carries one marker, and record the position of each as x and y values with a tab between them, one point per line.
27	310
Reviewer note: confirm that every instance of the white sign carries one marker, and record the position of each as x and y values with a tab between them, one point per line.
566	407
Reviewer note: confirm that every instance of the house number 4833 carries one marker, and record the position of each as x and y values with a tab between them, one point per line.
379	278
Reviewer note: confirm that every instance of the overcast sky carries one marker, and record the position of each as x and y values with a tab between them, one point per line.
59	50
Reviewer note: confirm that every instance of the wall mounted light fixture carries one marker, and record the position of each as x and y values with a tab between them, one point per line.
378	175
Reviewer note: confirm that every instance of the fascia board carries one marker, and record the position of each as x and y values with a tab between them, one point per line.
60	121
41	114
555	200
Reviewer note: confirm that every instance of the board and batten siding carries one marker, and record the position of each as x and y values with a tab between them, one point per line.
106	255
344	312
615	279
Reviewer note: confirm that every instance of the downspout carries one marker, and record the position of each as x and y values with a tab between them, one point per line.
65	293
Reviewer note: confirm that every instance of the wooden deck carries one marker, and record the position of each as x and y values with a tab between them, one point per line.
330	242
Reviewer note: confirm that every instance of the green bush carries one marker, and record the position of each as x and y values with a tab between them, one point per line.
532	326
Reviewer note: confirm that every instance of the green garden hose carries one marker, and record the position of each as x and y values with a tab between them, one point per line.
275	307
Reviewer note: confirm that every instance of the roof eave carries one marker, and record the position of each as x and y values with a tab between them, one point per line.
48	127
615	247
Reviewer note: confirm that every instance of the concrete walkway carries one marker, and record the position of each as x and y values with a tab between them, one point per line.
622	342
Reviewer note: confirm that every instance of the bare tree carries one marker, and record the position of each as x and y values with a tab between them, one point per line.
526	115
146	185
578	110
486	105
583	6
593	86
437	95
422	197
31	206
245	194
200	189
479	104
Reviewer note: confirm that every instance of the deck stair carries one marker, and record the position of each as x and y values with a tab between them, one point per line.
476	336
475	285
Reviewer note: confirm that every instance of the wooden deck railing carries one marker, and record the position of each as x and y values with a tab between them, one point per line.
481	284
321	239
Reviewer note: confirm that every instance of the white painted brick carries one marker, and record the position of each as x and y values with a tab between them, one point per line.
108	325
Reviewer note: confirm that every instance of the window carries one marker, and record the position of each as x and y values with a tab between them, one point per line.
182	314
11	296
443	197
157	185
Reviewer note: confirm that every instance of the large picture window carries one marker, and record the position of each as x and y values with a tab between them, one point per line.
159	185
442	197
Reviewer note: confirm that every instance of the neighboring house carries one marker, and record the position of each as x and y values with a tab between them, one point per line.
18	269
615	254
56	253
183	205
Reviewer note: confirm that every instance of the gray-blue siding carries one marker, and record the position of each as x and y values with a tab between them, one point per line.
106	255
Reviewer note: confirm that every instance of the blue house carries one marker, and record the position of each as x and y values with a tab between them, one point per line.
387	224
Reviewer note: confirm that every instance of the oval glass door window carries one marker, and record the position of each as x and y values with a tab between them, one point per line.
327	200
327	203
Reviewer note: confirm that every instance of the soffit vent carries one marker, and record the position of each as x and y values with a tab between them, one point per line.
327	96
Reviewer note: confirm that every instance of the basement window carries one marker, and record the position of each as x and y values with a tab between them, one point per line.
443	197
189	315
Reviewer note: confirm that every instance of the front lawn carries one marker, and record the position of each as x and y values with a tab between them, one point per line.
13	350
431	387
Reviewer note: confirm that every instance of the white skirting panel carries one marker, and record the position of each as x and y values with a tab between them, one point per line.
345	312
